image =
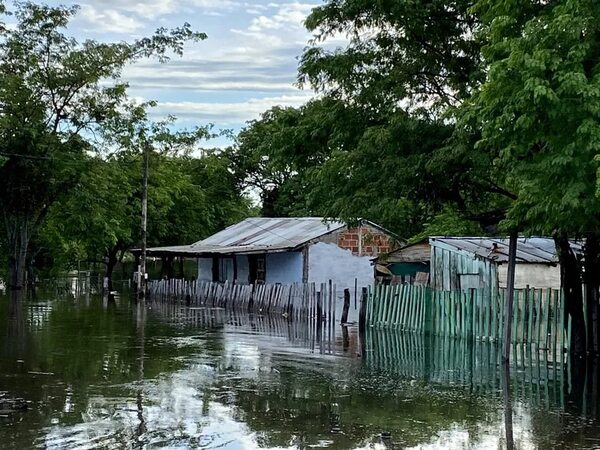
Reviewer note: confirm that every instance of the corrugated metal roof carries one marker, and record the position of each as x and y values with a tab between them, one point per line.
258	235
529	250
264	233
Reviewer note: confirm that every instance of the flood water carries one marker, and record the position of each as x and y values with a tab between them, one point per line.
84	373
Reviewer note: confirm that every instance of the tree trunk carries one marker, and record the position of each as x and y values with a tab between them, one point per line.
570	274
18	236
591	278
111	262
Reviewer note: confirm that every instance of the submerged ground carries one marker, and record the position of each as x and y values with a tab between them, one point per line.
87	373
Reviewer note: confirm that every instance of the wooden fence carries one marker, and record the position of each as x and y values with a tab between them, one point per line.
539	314
296	301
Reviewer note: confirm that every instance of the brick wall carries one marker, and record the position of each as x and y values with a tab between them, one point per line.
374	241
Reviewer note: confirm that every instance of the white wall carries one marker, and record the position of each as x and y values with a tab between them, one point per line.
284	268
330	262
532	275
205	269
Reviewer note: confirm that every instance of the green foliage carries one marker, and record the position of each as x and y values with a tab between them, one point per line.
539	110
449	223
333	159
57	95
380	143
418	51
188	199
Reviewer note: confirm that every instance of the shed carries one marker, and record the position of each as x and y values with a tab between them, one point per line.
459	263
406	263
287	250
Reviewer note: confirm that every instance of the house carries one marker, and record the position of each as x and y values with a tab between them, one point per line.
287	250
407	265
459	263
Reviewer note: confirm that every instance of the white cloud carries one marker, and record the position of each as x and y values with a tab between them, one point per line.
289	15
109	20
251	51
224	114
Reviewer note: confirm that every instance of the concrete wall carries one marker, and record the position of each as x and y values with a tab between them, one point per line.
205	269
532	275
284	268
330	262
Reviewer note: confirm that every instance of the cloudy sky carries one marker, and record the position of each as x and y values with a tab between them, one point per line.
247	64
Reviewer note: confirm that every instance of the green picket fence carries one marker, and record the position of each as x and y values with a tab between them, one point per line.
538	317
401	306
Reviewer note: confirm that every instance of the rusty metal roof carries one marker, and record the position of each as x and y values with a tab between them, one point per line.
258	235
539	250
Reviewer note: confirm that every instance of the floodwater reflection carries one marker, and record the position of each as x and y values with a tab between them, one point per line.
122	375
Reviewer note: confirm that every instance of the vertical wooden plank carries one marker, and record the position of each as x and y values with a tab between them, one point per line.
554	325
409	306
539	318
416	307
406	307
515	332
402	306
387	301
546	324
396	297
385	306
334	294
529	306
369	308
501	299
375	303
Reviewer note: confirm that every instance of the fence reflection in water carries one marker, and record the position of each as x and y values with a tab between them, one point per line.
308	333
475	364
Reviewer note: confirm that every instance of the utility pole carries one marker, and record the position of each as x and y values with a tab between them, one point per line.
510	295
142	271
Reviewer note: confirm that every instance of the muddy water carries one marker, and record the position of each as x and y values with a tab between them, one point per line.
83	373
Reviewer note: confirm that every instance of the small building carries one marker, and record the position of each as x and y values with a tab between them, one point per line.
287	250
407	265
459	263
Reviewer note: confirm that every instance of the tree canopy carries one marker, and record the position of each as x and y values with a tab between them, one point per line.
56	95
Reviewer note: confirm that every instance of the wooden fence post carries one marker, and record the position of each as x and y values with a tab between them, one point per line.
346	306
510	290
362	315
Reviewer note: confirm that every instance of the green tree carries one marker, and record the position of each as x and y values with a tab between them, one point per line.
56	93
407	68
418	51
538	113
99	220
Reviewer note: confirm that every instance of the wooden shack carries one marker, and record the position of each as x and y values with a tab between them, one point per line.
459	263
406	265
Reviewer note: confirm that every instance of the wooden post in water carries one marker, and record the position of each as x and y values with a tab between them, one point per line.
346	306
510	292
142	274
362	315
